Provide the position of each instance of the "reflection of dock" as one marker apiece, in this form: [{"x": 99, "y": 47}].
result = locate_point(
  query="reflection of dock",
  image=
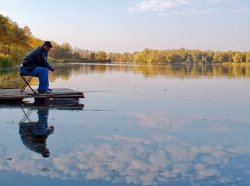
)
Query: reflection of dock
[
  {"x": 57, "y": 95},
  {"x": 56, "y": 106}
]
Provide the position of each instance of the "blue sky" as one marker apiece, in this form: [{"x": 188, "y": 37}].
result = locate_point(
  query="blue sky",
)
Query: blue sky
[{"x": 132, "y": 25}]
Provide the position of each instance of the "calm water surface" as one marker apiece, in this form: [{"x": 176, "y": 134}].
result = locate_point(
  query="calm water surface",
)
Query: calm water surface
[{"x": 140, "y": 125}]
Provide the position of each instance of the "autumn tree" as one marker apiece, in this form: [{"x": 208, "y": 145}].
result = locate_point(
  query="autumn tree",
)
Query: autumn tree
[{"x": 101, "y": 55}]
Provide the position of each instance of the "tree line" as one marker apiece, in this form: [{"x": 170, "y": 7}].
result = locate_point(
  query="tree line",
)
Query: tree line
[
  {"x": 65, "y": 53},
  {"x": 16, "y": 41},
  {"x": 150, "y": 56}
]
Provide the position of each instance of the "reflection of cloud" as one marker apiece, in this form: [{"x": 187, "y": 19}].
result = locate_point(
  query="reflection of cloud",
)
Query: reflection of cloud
[
  {"x": 203, "y": 171},
  {"x": 157, "y": 137},
  {"x": 218, "y": 128},
  {"x": 156, "y": 158},
  {"x": 62, "y": 165},
  {"x": 240, "y": 150},
  {"x": 127, "y": 139},
  {"x": 159, "y": 120},
  {"x": 133, "y": 163}
]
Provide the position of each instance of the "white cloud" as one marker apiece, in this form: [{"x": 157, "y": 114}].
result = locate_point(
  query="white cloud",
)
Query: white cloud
[
  {"x": 191, "y": 11},
  {"x": 215, "y": 1},
  {"x": 158, "y": 5},
  {"x": 175, "y": 7},
  {"x": 242, "y": 11},
  {"x": 9, "y": 1},
  {"x": 3, "y": 12}
]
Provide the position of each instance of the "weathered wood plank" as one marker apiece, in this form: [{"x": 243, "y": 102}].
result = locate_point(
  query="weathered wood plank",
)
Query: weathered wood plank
[
  {"x": 60, "y": 93},
  {"x": 14, "y": 94}
]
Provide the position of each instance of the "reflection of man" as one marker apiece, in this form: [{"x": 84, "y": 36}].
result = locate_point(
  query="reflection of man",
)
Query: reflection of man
[{"x": 34, "y": 134}]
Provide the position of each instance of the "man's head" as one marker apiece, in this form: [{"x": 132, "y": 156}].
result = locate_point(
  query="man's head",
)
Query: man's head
[
  {"x": 45, "y": 153},
  {"x": 51, "y": 129},
  {"x": 47, "y": 45}
]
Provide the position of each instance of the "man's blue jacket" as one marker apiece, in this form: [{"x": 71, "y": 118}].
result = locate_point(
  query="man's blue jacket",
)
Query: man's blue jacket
[{"x": 35, "y": 58}]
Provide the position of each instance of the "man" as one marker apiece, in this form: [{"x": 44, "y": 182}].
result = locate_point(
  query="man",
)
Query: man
[{"x": 35, "y": 64}]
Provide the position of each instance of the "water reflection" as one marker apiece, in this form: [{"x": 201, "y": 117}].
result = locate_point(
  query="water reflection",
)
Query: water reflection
[
  {"x": 196, "y": 134},
  {"x": 165, "y": 154},
  {"x": 232, "y": 70},
  {"x": 9, "y": 78},
  {"x": 35, "y": 133},
  {"x": 159, "y": 158}
]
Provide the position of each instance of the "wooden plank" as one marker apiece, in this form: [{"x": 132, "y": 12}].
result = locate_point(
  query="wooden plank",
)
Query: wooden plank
[
  {"x": 6, "y": 94},
  {"x": 14, "y": 94}
]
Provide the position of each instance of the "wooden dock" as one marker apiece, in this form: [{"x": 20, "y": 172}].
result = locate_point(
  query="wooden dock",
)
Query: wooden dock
[{"x": 57, "y": 94}]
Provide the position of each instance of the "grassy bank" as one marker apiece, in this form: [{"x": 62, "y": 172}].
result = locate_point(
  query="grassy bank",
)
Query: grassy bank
[{"x": 5, "y": 61}]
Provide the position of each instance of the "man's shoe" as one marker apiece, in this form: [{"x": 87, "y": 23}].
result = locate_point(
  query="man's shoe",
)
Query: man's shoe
[
  {"x": 49, "y": 89},
  {"x": 43, "y": 91}
]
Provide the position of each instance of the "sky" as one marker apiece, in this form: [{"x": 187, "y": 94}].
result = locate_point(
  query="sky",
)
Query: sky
[{"x": 133, "y": 25}]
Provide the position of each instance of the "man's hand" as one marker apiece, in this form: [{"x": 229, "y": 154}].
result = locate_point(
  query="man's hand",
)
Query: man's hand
[{"x": 52, "y": 68}]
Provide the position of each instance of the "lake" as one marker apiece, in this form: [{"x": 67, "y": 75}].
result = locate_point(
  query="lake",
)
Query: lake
[{"x": 140, "y": 125}]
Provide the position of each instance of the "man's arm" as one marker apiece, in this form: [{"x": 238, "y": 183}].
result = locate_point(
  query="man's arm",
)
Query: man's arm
[{"x": 43, "y": 60}]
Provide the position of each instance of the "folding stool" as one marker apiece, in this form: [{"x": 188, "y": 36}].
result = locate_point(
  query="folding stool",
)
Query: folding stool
[{"x": 26, "y": 83}]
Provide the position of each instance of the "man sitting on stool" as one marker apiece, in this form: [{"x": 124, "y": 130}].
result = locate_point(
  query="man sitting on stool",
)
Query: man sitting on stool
[{"x": 35, "y": 64}]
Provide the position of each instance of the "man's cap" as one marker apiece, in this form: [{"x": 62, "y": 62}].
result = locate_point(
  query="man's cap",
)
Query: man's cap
[{"x": 48, "y": 44}]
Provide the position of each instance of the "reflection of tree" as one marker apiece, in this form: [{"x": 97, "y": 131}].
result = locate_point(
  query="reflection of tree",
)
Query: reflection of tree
[
  {"x": 34, "y": 134},
  {"x": 8, "y": 79},
  {"x": 230, "y": 70},
  {"x": 184, "y": 70},
  {"x": 194, "y": 70}
]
